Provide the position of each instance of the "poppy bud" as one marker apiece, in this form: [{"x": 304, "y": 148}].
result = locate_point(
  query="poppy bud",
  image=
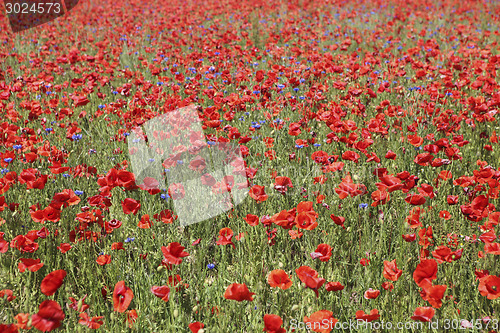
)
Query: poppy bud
[
  {"x": 176, "y": 313},
  {"x": 295, "y": 307}
]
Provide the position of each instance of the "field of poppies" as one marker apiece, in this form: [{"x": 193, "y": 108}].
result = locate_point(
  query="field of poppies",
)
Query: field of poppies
[{"x": 370, "y": 138}]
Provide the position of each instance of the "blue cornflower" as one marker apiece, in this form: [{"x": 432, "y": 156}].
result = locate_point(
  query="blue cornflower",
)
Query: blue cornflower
[
  {"x": 211, "y": 266},
  {"x": 76, "y": 137},
  {"x": 129, "y": 239},
  {"x": 8, "y": 159},
  {"x": 17, "y": 146},
  {"x": 211, "y": 143},
  {"x": 78, "y": 192},
  {"x": 363, "y": 205}
]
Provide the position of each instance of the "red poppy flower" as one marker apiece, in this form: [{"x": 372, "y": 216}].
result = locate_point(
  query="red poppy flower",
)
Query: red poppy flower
[
  {"x": 122, "y": 297},
  {"x": 338, "y": 220},
  {"x": 415, "y": 199},
  {"x": 173, "y": 253},
  {"x": 387, "y": 286},
  {"x": 391, "y": 271},
  {"x": 390, "y": 155},
  {"x": 257, "y": 192},
  {"x": 409, "y": 237},
  {"x": 64, "y": 247},
  {"x": 238, "y": 292},
  {"x": 145, "y": 222},
  {"x": 32, "y": 265},
  {"x": 334, "y": 286},
  {"x": 196, "y": 326},
  {"x": 452, "y": 199},
  {"x": 424, "y": 314},
  {"x": 492, "y": 248},
  {"x": 426, "y": 269},
  {"x": 9, "y": 293},
  {"x": 373, "y": 315},
  {"x": 48, "y": 317},
  {"x": 92, "y": 323},
  {"x": 423, "y": 159},
  {"x": 78, "y": 305},
  {"x": 279, "y": 278},
  {"x": 371, "y": 293},
  {"x": 52, "y": 282},
  {"x": 272, "y": 324},
  {"x": 131, "y": 206},
  {"x": 379, "y": 197},
  {"x": 176, "y": 191},
  {"x": 364, "y": 261},
  {"x": 103, "y": 259},
  {"x": 125, "y": 179},
  {"x": 162, "y": 292},
  {"x": 4, "y": 245},
  {"x": 117, "y": 246},
  {"x": 22, "y": 321},
  {"x": 131, "y": 317},
  {"x": 432, "y": 293},
  {"x": 321, "y": 321},
  {"x": 324, "y": 251},
  {"x": 281, "y": 184},
  {"x": 165, "y": 216},
  {"x": 252, "y": 220},
  {"x": 24, "y": 244},
  {"x": 310, "y": 278},
  {"x": 489, "y": 286},
  {"x": 351, "y": 156}
]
